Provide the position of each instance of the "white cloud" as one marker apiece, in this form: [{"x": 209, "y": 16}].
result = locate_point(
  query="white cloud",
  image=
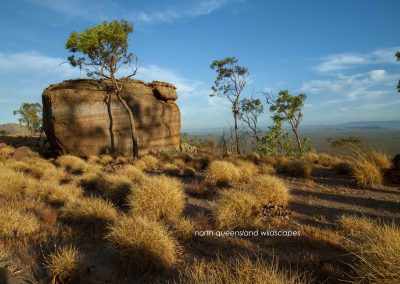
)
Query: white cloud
[
  {"x": 352, "y": 86},
  {"x": 106, "y": 10},
  {"x": 337, "y": 62}
]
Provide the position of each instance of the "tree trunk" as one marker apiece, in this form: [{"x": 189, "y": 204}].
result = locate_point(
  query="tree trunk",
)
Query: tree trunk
[
  {"x": 110, "y": 127},
  {"x": 236, "y": 133},
  {"x": 298, "y": 141},
  {"x": 132, "y": 123}
]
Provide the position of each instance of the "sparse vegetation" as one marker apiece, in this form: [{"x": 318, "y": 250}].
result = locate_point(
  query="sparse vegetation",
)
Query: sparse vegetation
[{"x": 268, "y": 189}]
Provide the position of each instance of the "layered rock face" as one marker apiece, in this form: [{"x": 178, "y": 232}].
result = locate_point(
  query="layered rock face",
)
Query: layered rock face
[{"x": 79, "y": 114}]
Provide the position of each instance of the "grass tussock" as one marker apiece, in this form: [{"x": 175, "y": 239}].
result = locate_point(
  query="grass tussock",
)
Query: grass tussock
[
  {"x": 378, "y": 256},
  {"x": 266, "y": 169},
  {"x": 72, "y": 164},
  {"x": 171, "y": 170},
  {"x": 63, "y": 264},
  {"x": 355, "y": 226},
  {"x": 143, "y": 244},
  {"x": 296, "y": 168},
  {"x": 95, "y": 212},
  {"x": 13, "y": 183},
  {"x": 236, "y": 209},
  {"x": 133, "y": 173},
  {"x": 14, "y": 224},
  {"x": 364, "y": 170},
  {"x": 158, "y": 198},
  {"x": 239, "y": 270},
  {"x": 148, "y": 163},
  {"x": 380, "y": 159},
  {"x": 247, "y": 170},
  {"x": 183, "y": 228},
  {"x": 269, "y": 189},
  {"x": 6, "y": 152},
  {"x": 222, "y": 173}
]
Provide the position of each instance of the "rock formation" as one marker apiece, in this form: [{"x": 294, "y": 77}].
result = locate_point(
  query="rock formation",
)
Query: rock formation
[{"x": 78, "y": 116}]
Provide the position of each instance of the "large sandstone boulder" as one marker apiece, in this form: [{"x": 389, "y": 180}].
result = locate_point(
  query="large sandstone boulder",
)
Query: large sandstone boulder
[{"x": 77, "y": 120}]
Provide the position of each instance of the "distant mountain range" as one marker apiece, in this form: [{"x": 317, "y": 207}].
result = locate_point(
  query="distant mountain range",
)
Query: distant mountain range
[
  {"x": 386, "y": 124},
  {"x": 13, "y": 128}
]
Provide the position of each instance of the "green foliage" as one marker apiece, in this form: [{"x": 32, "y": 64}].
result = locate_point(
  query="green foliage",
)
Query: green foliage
[
  {"x": 229, "y": 84},
  {"x": 276, "y": 141},
  {"x": 340, "y": 142},
  {"x": 286, "y": 107},
  {"x": 102, "y": 48},
  {"x": 30, "y": 116},
  {"x": 249, "y": 112},
  {"x": 3, "y": 132}
]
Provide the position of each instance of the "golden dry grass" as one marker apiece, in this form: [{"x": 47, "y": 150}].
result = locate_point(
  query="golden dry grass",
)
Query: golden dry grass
[
  {"x": 247, "y": 170},
  {"x": 355, "y": 226},
  {"x": 183, "y": 228},
  {"x": 171, "y": 170},
  {"x": 6, "y": 152},
  {"x": 64, "y": 264},
  {"x": 38, "y": 168},
  {"x": 266, "y": 169},
  {"x": 148, "y": 163},
  {"x": 380, "y": 159},
  {"x": 269, "y": 189},
  {"x": 158, "y": 197},
  {"x": 142, "y": 243},
  {"x": 12, "y": 183},
  {"x": 240, "y": 269},
  {"x": 14, "y": 224},
  {"x": 296, "y": 168},
  {"x": 236, "y": 209},
  {"x": 72, "y": 164},
  {"x": 133, "y": 173},
  {"x": 222, "y": 173},
  {"x": 378, "y": 256},
  {"x": 53, "y": 192},
  {"x": 363, "y": 168},
  {"x": 90, "y": 211}
]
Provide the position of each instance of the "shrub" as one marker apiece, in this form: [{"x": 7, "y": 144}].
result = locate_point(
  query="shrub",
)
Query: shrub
[
  {"x": 95, "y": 212},
  {"x": 158, "y": 198},
  {"x": 148, "y": 163},
  {"x": 297, "y": 168},
  {"x": 380, "y": 159},
  {"x": 64, "y": 264},
  {"x": 72, "y": 164},
  {"x": 142, "y": 243},
  {"x": 235, "y": 209},
  {"x": 269, "y": 189},
  {"x": 378, "y": 256},
  {"x": 239, "y": 270},
  {"x": 222, "y": 173},
  {"x": 356, "y": 226},
  {"x": 16, "y": 224}
]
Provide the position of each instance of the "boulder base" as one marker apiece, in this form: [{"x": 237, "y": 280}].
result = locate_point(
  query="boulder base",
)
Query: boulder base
[{"x": 83, "y": 117}]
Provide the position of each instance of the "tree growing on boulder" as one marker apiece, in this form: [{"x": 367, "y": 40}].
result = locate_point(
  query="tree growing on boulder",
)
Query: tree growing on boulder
[
  {"x": 102, "y": 50},
  {"x": 30, "y": 116},
  {"x": 230, "y": 83}
]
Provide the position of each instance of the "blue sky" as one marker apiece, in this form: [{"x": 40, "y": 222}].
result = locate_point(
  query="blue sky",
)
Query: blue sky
[{"x": 340, "y": 53}]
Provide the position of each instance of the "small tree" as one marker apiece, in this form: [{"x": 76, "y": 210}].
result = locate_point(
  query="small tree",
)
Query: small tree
[
  {"x": 249, "y": 112},
  {"x": 30, "y": 116},
  {"x": 103, "y": 50},
  {"x": 229, "y": 84},
  {"x": 276, "y": 141},
  {"x": 288, "y": 108},
  {"x": 398, "y": 59}
]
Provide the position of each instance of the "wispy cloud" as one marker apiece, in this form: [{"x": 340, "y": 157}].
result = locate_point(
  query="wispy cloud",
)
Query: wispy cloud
[
  {"x": 342, "y": 61},
  {"x": 106, "y": 10},
  {"x": 352, "y": 86}
]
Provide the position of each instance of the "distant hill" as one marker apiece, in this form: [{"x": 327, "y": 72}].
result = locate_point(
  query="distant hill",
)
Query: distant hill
[
  {"x": 13, "y": 128},
  {"x": 366, "y": 125}
]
